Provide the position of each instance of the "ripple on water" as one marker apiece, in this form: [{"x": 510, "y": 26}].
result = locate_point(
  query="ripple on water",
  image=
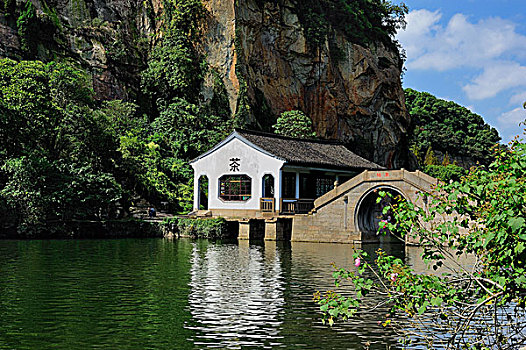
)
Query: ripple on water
[{"x": 164, "y": 294}]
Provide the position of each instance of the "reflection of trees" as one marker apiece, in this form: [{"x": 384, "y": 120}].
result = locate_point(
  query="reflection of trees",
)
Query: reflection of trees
[
  {"x": 307, "y": 268},
  {"x": 111, "y": 294}
]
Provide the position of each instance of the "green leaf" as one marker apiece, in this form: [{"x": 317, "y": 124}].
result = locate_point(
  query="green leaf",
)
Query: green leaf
[
  {"x": 516, "y": 223},
  {"x": 521, "y": 280},
  {"x": 437, "y": 301}
]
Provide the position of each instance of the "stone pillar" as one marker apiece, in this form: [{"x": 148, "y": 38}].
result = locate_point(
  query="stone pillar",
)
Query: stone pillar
[
  {"x": 271, "y": 230},
  {"x": 275, "y": 229},
  {"x": 278, "y": 190},
  {"x": 244, "y": 230},
  {"x": 196, "y": 191}
]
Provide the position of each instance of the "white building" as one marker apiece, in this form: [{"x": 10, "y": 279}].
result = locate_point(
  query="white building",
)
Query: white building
[{"x": 251, "y": 173}]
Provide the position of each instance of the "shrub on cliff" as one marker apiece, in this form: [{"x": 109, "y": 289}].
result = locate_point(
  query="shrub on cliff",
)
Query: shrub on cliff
[{"x": 294, "y": 124}]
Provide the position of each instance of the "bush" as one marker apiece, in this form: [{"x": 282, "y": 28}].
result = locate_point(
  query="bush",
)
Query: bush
[
  {"x": 294, "y": 124},
  {"x": 446, "y": 172},
  {"x": 216, "y": 228},
  {"x": 475, "y": 306}
]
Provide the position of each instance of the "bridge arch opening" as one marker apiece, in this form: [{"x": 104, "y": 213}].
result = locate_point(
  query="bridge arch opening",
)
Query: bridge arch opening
[{"x": 369, "y": 213}]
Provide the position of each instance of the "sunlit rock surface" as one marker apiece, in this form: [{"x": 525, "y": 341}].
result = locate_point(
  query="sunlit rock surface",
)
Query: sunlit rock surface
[
  {"x": 354, "y": 95},
  {"x": 257, "y": 49}
]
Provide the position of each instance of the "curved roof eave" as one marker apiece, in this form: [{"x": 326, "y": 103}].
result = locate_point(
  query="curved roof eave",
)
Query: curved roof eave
[{"x": 236, "y": 135}]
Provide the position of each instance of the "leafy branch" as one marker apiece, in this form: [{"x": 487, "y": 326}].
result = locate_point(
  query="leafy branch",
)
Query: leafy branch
[{"x": 482, "y": 218}]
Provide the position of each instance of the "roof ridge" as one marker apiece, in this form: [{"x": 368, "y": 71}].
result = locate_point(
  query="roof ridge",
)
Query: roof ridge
[{"x": 268, "y": 134}]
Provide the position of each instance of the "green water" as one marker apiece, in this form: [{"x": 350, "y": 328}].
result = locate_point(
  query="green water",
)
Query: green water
[{"x": 173, "y": 294}]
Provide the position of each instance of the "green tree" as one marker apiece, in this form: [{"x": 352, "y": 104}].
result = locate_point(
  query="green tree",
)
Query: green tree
[
  {"x": 445, "y": 172},
  {"x": 175, "y": 67},
  {"x": 448, "y": 127},
  {"x": 446, "y": 161},
  {"x": 465, "y": 307},
  {"x": 418, "y": 154},
  {"x": 294, "y": 124},
  {"x": 361, "y": 21},
  {"x": 51, "y": 166},
  {"x": 182, "y": 126},
  {"x": 158, "y": 161},
  {"x": 430, "y": 158}
]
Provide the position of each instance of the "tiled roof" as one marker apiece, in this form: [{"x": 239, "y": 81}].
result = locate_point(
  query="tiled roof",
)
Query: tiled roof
[{"x": 308, "y": 151}]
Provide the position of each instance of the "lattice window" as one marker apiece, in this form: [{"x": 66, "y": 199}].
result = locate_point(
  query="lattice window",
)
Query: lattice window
[
  {"x": 324, "y": 185},
  {"x": 235, "y": 187},
  {"x": 289, "y": 185}
]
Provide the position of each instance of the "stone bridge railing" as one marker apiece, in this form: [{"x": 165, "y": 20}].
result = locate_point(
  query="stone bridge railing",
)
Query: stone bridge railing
[
  {"x": 417, "y": 180},
  {"x": 336, "y": 215}
]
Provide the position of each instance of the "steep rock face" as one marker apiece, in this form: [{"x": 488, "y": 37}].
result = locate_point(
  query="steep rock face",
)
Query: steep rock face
[
  {"x": 257, "y": 49},
  {"x": 219, "y": 48},
  {"x": 352, "y": 93},
  {"x": 109, "y": 38}
]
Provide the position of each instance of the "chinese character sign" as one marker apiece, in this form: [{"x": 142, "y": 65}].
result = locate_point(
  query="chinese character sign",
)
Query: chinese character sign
[{"x": 234, "y": 164}]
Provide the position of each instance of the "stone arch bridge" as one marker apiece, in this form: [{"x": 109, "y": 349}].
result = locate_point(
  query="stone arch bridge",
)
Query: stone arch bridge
[{"x": 348, "y": 213}]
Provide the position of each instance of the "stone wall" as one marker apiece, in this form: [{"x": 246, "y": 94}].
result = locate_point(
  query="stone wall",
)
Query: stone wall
[{"x": 326, "y": 225}]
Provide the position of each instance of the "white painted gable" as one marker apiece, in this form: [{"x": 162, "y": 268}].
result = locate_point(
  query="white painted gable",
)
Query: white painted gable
[{"x": 253, "y": 162}]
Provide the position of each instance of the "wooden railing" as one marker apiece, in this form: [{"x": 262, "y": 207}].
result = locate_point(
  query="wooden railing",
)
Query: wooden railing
[
  {"x": 287, "y": 206},
  {"x": 267, "y": 204},
  {"x": 296, "y": 205},
  {"x": 303, "y": 206}
]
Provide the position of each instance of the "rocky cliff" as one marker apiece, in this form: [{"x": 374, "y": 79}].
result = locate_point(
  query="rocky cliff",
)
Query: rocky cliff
[
  {"x": 108, "y": 38},
  {"x": 351, "y": 92},
  {"x": 258, "y": 49}
]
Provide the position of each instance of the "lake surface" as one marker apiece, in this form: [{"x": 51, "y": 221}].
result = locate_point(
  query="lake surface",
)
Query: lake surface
[{"x": 175, "y": 294}]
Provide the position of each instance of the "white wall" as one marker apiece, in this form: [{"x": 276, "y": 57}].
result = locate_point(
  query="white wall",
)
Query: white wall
[{"x": 252, "y": 162}]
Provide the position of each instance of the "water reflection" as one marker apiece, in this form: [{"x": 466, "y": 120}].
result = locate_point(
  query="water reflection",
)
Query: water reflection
[
  {"x": 180, "y": 294},
  {"x": 451, "y": 265},
  {"x": 105, "y": 294},
  {"x": 260, "y": 296},
  {"x": 236, "y": 297}
]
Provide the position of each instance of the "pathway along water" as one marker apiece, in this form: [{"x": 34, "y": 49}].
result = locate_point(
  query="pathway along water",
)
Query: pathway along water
[{"x": 174, "y": 294}]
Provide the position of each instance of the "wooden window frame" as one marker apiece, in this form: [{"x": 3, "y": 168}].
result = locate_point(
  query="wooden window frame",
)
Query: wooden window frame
[{"x": 235, "y": 188}]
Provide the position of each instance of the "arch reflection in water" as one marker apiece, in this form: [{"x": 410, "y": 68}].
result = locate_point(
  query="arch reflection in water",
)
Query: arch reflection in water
[{"x": 236, "y": 296}]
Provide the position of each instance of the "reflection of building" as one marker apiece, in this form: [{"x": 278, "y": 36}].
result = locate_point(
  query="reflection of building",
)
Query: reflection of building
[
  {"x": 281, "y": 188},
  {"x": 259, "y": 296},
  {"x": 251, "y": 173},
  {"x": 236, "y": 296}
]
